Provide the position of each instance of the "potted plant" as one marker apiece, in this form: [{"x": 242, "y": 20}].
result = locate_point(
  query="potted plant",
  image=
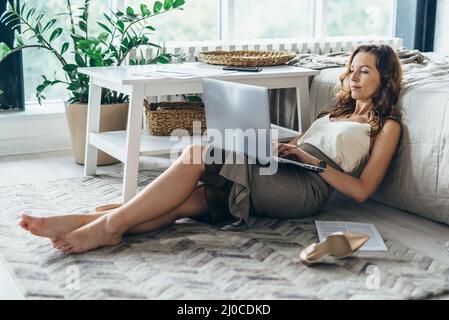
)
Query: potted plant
[{"x": 121, "y": 33}]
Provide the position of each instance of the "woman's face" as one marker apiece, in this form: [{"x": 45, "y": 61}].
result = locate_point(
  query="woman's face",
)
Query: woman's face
[{"x": 364, "y": 79}]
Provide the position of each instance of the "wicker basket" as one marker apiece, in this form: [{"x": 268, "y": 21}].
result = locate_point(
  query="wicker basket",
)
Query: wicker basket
[
  {"x": 246, "y": 58},
  {"x": 164, "y": 117}
]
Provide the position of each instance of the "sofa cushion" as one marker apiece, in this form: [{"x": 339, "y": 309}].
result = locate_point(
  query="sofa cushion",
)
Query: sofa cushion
[{"x": 418, "y": 178}]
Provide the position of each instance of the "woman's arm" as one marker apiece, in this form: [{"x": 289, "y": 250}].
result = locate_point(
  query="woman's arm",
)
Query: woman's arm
[
  {"x": 295, "y": 140},
  {"x": 361, "y": 189}
]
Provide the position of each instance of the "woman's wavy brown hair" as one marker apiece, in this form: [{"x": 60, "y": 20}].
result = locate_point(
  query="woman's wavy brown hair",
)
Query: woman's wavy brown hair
[{"x": 384, "y": 100}]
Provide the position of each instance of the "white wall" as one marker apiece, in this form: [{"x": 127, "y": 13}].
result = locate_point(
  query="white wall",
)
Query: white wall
[{"x": 442, "y": 28}]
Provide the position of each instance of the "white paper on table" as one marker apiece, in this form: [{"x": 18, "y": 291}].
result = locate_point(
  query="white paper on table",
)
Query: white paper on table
[
  {"x": 182, "y": 73},
  {"x": 375, "y": 242}
]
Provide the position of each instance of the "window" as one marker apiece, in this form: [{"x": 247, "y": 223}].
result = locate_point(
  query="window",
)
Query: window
[
  {"x": 198, "y": 21},
  {"x": 255, "y": 19},
  {"x": 38, "y": 62},
  {"x": 357, "y": 17}
]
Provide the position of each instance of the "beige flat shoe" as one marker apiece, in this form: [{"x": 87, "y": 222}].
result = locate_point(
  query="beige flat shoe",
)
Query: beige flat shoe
[
  {"x": 338, "y": 245},
  {"x": 107, "y": 207}
]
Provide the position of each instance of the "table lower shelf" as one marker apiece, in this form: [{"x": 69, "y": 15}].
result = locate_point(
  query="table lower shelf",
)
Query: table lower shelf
[{"x": 114, "y": 142}]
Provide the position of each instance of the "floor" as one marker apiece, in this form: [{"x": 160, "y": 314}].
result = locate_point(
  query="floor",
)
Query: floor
[{"x": 420, "y": 234}]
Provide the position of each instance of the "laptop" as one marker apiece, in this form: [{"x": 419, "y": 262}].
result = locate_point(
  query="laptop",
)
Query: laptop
[{"x": 234, "y": 108}]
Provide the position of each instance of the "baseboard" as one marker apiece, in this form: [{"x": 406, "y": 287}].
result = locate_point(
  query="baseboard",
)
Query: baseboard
[{"x": 24, "y": 133}]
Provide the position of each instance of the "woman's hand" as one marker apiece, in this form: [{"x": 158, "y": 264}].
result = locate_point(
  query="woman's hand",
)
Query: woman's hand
[{"x": 293, "y": 152}]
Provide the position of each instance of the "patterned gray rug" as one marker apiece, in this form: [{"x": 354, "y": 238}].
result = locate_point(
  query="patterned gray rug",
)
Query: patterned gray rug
[{"x": 190, "y": 260}]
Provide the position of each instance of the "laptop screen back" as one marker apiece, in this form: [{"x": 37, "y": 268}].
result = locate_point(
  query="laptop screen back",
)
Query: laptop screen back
[{"x": 240, "y": 113}]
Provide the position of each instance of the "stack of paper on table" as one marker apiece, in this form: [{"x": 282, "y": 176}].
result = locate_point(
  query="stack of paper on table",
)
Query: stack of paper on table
[{"x": 181, "y": 73}]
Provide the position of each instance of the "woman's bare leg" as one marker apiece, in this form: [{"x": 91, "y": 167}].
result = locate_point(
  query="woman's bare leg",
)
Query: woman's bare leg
[
  {"x": 176, "y": 183},
  {"x": 195, "y": 205},
  {"x": 163, "y": 195},
  {"x": 55, "y": 227}
]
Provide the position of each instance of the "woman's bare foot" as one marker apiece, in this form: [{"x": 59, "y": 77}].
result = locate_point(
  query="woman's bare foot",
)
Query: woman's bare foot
[
  {"x": 57, "y": 226},
  {"x": 90, "y": 236}
]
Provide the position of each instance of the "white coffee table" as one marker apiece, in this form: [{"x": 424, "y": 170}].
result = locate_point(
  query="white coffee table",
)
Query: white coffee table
[{"x": 140, "y": 81}]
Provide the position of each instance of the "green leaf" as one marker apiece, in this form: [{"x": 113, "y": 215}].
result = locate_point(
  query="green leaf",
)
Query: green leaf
[
  {"x": 41, "y": 87},
  {"x": 84, "y": 16},
  {"x": 9, "y": 6},
  {"x": 178, "y": 3},
  {"x": 30, "y": 13},
  {"x": 150, "y": 28},
  {"x": 4, "y": 16},
  {"x": 49, "y": 25},
  {"x": 73, "y": 86},
  {"x": 157, "y": 6},
  {"x": 168, "y": 4},
  {"x": 76, "y": 37},
  {"x": 83, "y": 26},
  {"x": 70, "y": 67},
  {"x": 84, "y": 43},
  {"x": 64, "y": 47},
  {"x": 79, "y": 60},
  {"x": 121, "y": 26},
  {"x": 4, "y": 50},
  {"x": 104, "y": 27},
  {"x": 193, "y": 98},
  {"x": 39, "y": 18},
  {"x": 22, "y": 9},
  {"x": 102, "y": 37},
  {"x": 144, "y": 10},
  {"x": 95, "y": 62},
  {"x": 154, "y": 45},
  {"x": 107, "y": 18},
  {"x": 18, "y": 40},
  {"x": 56, "y": 33},
  {"x": 11, "y": 20},
  {"x": 163, "y": 59},
  {"x": 129, "y": 11}
]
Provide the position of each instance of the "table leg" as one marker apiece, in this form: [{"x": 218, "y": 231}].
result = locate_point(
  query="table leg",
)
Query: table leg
[
  {"x": 133, "y": 136},
  {"x": 93, "y": 125},
  {"x": 303, "y": 104}
]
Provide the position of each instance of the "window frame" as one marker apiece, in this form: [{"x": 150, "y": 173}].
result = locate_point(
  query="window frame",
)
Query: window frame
[{"x": 416, "y": 26}]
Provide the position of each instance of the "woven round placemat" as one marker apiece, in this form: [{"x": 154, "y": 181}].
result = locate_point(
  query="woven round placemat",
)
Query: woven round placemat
[{"x": 246, "y": 58}]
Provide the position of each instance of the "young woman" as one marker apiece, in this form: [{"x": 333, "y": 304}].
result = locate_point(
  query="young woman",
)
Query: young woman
[{"x": 356, "y": 138}]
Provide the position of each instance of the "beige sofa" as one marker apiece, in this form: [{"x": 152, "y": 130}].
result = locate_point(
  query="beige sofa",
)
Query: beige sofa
[{"x": 418, "y": 178}]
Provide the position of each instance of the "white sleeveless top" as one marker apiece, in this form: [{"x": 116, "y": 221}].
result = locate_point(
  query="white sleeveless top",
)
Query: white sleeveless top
[{"x": 345, "y": 142}]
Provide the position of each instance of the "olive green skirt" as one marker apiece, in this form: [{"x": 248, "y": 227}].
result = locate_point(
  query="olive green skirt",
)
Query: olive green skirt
[{"x": 236, "y": 192}]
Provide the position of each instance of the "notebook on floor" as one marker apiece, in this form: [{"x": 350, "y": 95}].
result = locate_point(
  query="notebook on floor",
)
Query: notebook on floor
[{"x": 375, "y": 242}]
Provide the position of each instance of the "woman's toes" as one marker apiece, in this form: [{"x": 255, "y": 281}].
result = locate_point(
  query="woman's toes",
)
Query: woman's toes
[
  {"x": 24, "y": 225},
  {"x": 33, "y": 230},
  {"x": 60, "y": 244},
  {"x": 54, "y": 244},
  {"x": 32, "y": 224},
  {"x": 69, "y": 250},
  {"x": 28, "y": 219}
]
